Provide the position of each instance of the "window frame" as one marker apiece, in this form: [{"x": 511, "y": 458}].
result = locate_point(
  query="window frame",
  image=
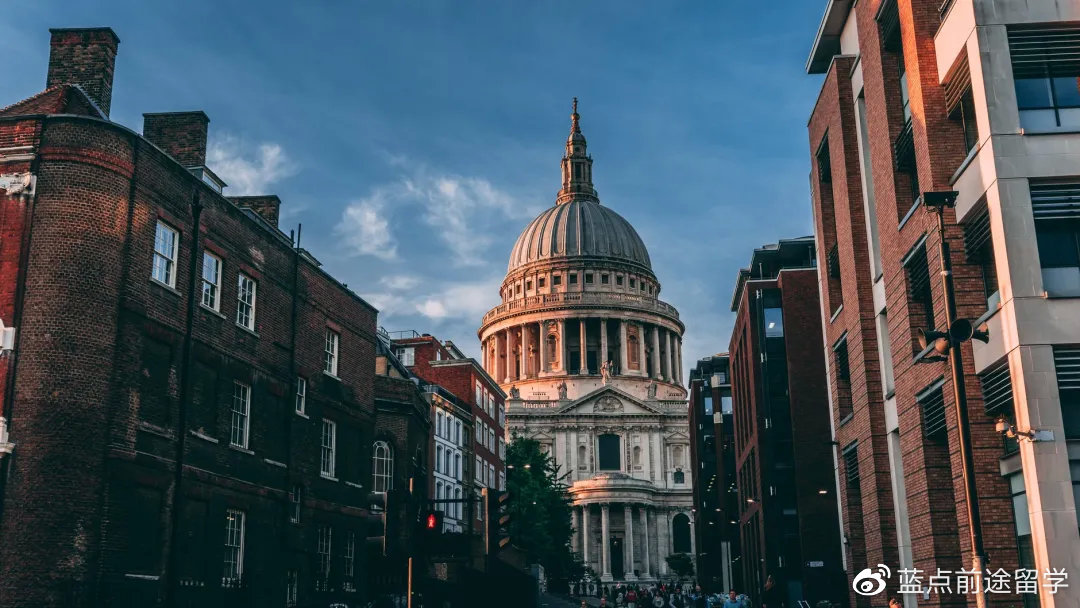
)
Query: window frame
[
  {"x": 211, "y": 289},
  {"x": 233, "y": 556},
  {"x": 246, "y": 318},
  {"x": 328, "y": 451},
  {"x": 300, "y": 403},
  {"x": 240, "y": 420},
  {"x": 331, "y": 351},
  {"x": 169, "y": 266},
  {"x": 382, "y": 453}
]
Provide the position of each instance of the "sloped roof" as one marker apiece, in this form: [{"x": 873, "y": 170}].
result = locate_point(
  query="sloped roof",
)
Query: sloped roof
[{"x": 57, "y": 99}]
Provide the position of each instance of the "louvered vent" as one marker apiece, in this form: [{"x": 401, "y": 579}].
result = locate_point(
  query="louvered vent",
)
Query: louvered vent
[
  {"x": 851, "y": 465},
  {"x": 888, "y": 18},
  {"x": 1067, "y": 364},
  {"x": 832, "y": 262},
  {"x": 1055, "y": 201},
  {"x": 977, "y": 236},
  {"x": 932, "y": 403},
  {"x": 1039, "y": 50},
  {"x": 957, "y": 82},
  {"x": 997, "y": 390}
]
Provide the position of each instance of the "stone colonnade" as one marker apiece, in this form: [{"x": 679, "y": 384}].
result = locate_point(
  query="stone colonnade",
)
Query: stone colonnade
[
  {"x": 634, "y": 524},
  {"x": 535, "y": 348}
]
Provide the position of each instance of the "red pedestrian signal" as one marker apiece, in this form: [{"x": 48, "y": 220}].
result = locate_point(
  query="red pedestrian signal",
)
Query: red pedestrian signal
[{"x": 432, "y": 521}]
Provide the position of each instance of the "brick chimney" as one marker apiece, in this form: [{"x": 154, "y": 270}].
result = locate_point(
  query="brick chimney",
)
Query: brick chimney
[
  {"x": 268, "y": 206},
  {"x": 85, "y": 57},
  {"x": 181, "y": 135}
]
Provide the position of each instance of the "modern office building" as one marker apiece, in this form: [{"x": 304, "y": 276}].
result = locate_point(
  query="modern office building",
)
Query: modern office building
[
  {"x": 788, "y": 525},
  {"x": 712, "y": 458},
  {"x": 981, "y": 98}
]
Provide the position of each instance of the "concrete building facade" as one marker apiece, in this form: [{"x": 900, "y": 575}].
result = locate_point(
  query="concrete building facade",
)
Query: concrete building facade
[
  {"x": 591, "y": 359},
  {"x": 979, "y": 97}
]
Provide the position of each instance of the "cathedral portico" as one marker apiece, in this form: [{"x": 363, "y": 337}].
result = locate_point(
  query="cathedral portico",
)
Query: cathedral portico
[{"x": 591, "y": 359}]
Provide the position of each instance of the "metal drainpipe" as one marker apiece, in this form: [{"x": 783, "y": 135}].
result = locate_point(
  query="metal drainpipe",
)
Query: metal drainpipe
[{"x": 185, "y": 395}]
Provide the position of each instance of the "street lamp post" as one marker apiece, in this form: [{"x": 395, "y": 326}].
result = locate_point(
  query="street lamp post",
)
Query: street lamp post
[{"x": 936, "y": 202}]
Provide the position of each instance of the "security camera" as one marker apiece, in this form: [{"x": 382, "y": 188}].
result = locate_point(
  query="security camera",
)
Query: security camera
[{"x": 1002, "y": 425}]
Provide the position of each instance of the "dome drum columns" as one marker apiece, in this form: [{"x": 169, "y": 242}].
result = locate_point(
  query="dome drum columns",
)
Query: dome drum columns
[
  {"x": 632, "y": 536},
  {"x": 581, "y": 346}
]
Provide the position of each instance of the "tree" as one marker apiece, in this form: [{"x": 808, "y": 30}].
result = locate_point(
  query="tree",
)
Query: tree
[
  {"x": 539, "y": 507},
  {"x": 681, "y": 565}
]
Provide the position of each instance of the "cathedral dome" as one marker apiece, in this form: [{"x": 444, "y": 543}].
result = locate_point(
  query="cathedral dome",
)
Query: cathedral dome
[{"x": 579, "y": 228}]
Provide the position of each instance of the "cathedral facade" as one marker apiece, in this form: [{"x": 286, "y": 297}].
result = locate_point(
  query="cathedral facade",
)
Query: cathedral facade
[{"x": 592, "y": 361}]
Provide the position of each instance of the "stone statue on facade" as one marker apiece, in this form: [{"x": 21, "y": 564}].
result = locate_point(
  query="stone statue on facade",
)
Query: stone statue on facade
[
  {"x": 562, "y": 391},
  {"x": 605, "y": 372},
  {"x": 515, "y": 393},
  {"x": 652, "y": 390}
]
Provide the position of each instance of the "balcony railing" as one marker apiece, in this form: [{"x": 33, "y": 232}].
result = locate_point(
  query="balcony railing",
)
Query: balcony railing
[{"x": 590, "y": 298}]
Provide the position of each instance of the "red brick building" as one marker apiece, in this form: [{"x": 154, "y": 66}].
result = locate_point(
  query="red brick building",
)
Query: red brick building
[
  {"x": 189, "y": 395},
  {"x": 974, "y": 97},
  {"x": 788, "y": 524},
  {"x": 444, "y": 365}
]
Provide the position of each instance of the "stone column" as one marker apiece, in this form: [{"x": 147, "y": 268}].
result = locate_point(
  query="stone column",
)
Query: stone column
[
  {"x": 660, "y": 524},
  {"x": 585, "y": 534},
  {"x": 628, "y": 523},
  {"x": 584, "y": 349},
  {"x": 693, "y": 542},
  {"x": 622, "y": 347},
  {"x": 641, "y": 349},
  {"x": 668, "y": 372},
  {"x": 541, "y": 342},
  {"x": 605, "y": 544},
  {"x": 483, "y": 356},
  {"x": 678, "y": 358},
  {"x": 646, "y": 567},
  {"x": 502, "y": 348},
  {"x": 603, "y": 342},
  {"x": 575, "y": 522},
  {"x": 655, "y": 337},
  {"x": 563, "y": 347}
]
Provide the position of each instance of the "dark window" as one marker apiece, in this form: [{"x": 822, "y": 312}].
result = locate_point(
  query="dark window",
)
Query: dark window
[
  {"x": 708, "y": 405},
  {"x": 556, "y": 279},
  {"x": 932, "y": 404},
  {"x": 588, "y": 277},
  {"x": 603, "y": 279},
  {"x": 540, "y": 282},
  {"x": 1057, "y": 229},
  {"x": 920, "y": 295},
  {"x": 979, "y": 248},
  {"x": 608, "y": 449},
  {"x": 679, "y": 476},
  {"x": 618, "y": 280},
  {"x": 680, "y": 526},
  {"x": 851, "y": 465},
  {"x": 528, "y": 285},
  {"x": 573, "y": 279},
  {"x": 843, "y": 378},
  {"x": 633, "y": 283},
  {"x": 964, "y": 114},
  {"x": 1067, "y": 366},
  {"x": 1046, "y": 75}
]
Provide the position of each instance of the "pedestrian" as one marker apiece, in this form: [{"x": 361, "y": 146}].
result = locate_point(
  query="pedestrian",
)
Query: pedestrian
[
  {"x": 895, "y": 603},
  {"x": 631, "y": 598},
  {"x": 603, "y": 602},
  {"x": 733, "y": 601},
  {"x": 771, "y": 596},
  {"x": 658, "y": 601}
]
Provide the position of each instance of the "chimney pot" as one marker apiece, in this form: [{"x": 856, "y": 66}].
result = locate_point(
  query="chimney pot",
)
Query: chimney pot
[
  {"x": 181, "y": 135},
  {"x": 85, "y": 57},
  {"x": 268, "y": 206}
]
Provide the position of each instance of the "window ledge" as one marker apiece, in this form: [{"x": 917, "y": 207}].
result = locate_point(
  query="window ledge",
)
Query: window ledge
[
  {"x": 910, "y": 212},
  {"x": 241, "y": 449},
  {"x": 329, "y": 375},
  {"x": 1060, "y": 296},
  {"x": 890, "y": 394},
  {"x": 275, "y": 463},
  {"x": 168, "y": 288},
  {"x": 846, "y": 419},
  {"x": 216, "y": 313},
  {"x": 203, "y": 436},
  {"x": 352, "y": 484},
  {"x": 836, "y": 313},
  {"x": 303, "y": 415},
  {"x": 1057, "y": 131},
  {"x": 154, "y": 429},
  {"x": 247, "y": 329},
  {"x": 328, "y": 477},
  {"x": 964, "y": 165}
]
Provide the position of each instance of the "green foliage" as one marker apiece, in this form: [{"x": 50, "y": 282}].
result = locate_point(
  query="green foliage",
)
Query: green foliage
[
  {"x": 539, "y": 507},
  {"x": 681, "y": 565}
]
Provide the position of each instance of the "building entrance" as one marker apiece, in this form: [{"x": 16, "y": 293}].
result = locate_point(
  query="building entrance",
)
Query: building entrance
[{"x": 617, "y": 569}]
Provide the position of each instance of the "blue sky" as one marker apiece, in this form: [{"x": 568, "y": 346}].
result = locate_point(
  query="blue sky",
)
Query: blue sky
[{"x": 414, "y": 140}]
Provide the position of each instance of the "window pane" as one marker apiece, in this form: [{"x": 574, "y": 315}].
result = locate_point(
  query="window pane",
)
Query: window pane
[
  {"x": 1038, "y": 120},
  {"x": 608, "y": 448},
  {"x": 1069, "y": 117},
  {"x": 1032, "y": 93},
  {"x": 774, "y": 323},
  {"x": 1061, "y": 281},
  {"x": 1056, "y": 247},
  {"x": 708, "y": 406},
  {"x": 1067, "y": 91}
]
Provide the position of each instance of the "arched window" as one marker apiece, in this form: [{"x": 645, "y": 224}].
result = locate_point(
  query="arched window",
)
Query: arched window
[
  {"x": 438, "y": 459},
  {"x": 582, "y": 458},
  {"x": 679, "y": 476},
  {"x": 608, "y": 450},
  {"x": 382, "y": 459},
  {"x": 637, "y": 457},
  {"x": 680, "y": 527},
  {"x": 457, "y": 466}
]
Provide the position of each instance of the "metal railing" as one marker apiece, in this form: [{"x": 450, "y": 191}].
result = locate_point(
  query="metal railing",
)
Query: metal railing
[{"x": 596, "y": 298}]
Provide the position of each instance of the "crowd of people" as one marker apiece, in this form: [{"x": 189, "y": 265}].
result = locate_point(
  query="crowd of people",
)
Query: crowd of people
[{"x": 667, "y": 595}]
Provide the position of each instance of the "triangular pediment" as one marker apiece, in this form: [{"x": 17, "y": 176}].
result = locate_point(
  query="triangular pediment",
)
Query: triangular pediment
[{"x": 609, "y": 401}]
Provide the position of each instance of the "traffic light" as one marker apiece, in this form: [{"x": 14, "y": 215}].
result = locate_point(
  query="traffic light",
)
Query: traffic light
[
  {"x": 497, "y": 523},
  {"x": 378, "y": 522},
  {"x": 433, "y": 522}
]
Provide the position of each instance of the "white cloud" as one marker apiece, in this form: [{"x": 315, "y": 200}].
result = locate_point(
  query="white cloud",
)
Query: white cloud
[
  {"x": 246, "y": 170},
  {"x": 365, "y": 229},
  {"x": 400, "y": 282},
  {"x": 460, "y": 300}
]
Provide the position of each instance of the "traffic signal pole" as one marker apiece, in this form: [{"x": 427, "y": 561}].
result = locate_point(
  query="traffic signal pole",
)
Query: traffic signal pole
[
  {"x": 963, "y": 427},
  {"x": 408, "y": 590}
]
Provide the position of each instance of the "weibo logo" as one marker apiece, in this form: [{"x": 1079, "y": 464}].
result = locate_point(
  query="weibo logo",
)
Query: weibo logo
[{"x": 871, "y": 581}]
